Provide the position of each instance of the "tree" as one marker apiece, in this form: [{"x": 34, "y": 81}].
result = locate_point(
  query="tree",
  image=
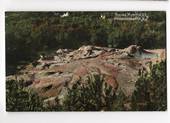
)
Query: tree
[
  {"x": 95, "y": 95},
  {"x": 28, "y": 33},
  {"x": 20, "y": 99},
  {"x": 151, "y": 89}
]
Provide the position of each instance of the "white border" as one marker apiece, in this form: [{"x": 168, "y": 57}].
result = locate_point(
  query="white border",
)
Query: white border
[
  {"x": 78, "y": 5},
  {"x": 82, "y": 5}
]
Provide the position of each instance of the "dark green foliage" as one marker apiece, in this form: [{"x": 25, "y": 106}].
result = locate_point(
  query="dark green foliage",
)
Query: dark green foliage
[
  {"x": 95, "y": 95},
  {"x": 20, "y": 99},
  {"x": 151, "y": 89},
  {"x": 119, "y": 102},
  {"x": 29, "y": 33}
]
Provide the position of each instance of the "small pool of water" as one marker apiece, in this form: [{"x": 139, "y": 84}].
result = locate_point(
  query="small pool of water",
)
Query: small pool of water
[{"x": 146, "y": 55}]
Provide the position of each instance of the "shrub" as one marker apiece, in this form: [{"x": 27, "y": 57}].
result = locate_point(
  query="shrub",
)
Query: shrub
[
  {"x": 95, "y": 95},
  {"x": 20, "y": 99},
  {"x": 151, "y": 89}
]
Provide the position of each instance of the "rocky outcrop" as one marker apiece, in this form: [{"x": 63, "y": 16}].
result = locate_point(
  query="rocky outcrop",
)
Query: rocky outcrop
[{"x": 119, "y": 68}]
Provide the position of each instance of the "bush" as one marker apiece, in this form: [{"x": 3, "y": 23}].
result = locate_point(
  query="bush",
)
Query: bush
[
  {"x": 95, "y": 95},
  {"x": 151, "y": 89},
  {"x": 20, "y": 99}
]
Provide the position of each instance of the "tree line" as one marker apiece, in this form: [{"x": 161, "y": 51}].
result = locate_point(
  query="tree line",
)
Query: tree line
[{"x": 30, "y": 33}]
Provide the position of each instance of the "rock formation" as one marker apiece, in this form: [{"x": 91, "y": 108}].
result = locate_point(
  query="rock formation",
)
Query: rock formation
[{"x": 119, "y": 67}]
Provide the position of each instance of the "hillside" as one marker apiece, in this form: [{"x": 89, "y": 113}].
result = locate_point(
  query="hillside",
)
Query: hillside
[{"x": 52, "y": 73}]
